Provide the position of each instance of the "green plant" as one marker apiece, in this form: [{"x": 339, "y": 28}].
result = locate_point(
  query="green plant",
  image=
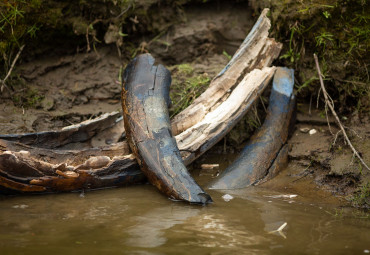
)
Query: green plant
[
  {"x": 358, "y": 34},
  {"x": 27, "y": 98},
  {"x": 306, "y": 84},
  {"x": 193, "y": 87},
  {"x": 291, "y": 53},
  {"x": 15, "y": 29},
  {"x": 312, "y": 6},
  {"x": 185, "y": 69},
  {"x": 13, "y": 26},
  {"x": 326, "y": 14},
  {"x": 186, "y": 86},
  {"x": 227, "y": 55},
  {"x": 339, "y": 32},
  {"x": 323, "y": 39},
  {"x": 362, "y": 197},
  {"x": 253, "y": 120}
]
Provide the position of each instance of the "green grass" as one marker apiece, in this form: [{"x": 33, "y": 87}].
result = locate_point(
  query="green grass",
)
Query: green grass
[
  {"x": 339, "y": 33},
  {"x": 362, "y": 197},
  {"x": 186, "y": 86},
  {"x": 16, "y": 27},
  {"x": 24, "y": 96}
]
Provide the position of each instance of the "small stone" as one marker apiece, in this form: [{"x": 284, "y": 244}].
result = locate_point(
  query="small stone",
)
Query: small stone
[
  {"x": 209, "y": 166},
  {"x": 312, "y": 131},
  {"x": 20, "y": 206},
  {"x": 24, "y": 153},
  {"x": 282, "y": 196},
  {"x": 95, "y": 162},
  {"x": 304, "y": 130},
  {"x": 83, "y": 99},
  {"x": 227, "y": 197}
]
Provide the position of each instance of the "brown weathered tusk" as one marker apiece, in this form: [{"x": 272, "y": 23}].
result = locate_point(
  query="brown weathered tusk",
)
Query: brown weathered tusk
[{"x": 145, "y": 100}]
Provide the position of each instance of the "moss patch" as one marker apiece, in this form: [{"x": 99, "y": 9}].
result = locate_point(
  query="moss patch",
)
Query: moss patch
[
  {"x": 362, "y": 197},
  {"x": 339, "y": 32}
]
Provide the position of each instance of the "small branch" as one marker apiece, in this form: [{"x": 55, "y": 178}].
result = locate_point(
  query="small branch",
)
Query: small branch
[
  {"x": 263, "y": 104},
  {"x": 330, "y": 103},
  {"x": 128, "y": 8},
  {"x": 280, "y": 230},
  {"x": 87, "y": 40},
  {"x": 11, "y": 68},
  {"x": 336, "y": 137}
]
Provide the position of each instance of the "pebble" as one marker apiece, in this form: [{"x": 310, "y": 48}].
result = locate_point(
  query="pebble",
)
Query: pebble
[
  {"x": 20, "y": 206},
  {"x": 312, "y": 131},
  {"x": 209, "y": 166},
  {"x": 24, "y": 153},
  {"x": 227, "y": 197},
  {"x": 304, "y": 130},
  {"x": 282, "y": 196}
]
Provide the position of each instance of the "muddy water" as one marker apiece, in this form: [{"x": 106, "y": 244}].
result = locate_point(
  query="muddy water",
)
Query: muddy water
[{"x": 139, "y": 220}]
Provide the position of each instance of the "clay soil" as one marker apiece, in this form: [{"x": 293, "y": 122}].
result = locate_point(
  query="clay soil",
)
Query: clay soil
[{"x": 69, "y": 88}]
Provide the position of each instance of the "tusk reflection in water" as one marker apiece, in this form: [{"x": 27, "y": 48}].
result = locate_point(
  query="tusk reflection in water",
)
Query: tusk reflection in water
[{"x": 150, "y": 229}]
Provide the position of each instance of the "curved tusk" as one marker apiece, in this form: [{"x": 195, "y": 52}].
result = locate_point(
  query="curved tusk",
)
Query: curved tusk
[{"x": 145, "y": 100}]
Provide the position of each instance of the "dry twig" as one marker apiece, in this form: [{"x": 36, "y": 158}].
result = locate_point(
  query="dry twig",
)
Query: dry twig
[
  {"x": 329, "y": 102},
  {"x": 11, "y": 69}
]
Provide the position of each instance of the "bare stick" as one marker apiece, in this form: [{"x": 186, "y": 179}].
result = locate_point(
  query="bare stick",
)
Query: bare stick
[
  {"x": 331, "y": 106},
  {"x": 87, "y": 40},
  {"x": 11, "y": 68}
]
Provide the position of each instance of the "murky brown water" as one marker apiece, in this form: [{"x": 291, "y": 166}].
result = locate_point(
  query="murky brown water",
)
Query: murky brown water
[{"x": 138, "y": 220}]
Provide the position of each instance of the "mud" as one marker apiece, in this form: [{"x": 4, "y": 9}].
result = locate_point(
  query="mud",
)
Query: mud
[
  {"x": 74, "y": 88},
  {"x": 320, "y": 168},
  {"x": 69, "y": 88},
  {"x": 324, "y": 158}
]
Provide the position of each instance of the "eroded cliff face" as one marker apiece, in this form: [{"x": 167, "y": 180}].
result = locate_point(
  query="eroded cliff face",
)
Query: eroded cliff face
[
  {"x": 181, "y": 31},
  {"x": 70, "y": 80}
]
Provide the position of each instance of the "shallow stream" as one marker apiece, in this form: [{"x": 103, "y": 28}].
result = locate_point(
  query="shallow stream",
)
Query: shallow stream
[{"x": 139, "y": 220}]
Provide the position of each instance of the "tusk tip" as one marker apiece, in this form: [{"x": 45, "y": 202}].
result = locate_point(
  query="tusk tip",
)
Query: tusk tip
[{"x": 202, "y": 198}]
